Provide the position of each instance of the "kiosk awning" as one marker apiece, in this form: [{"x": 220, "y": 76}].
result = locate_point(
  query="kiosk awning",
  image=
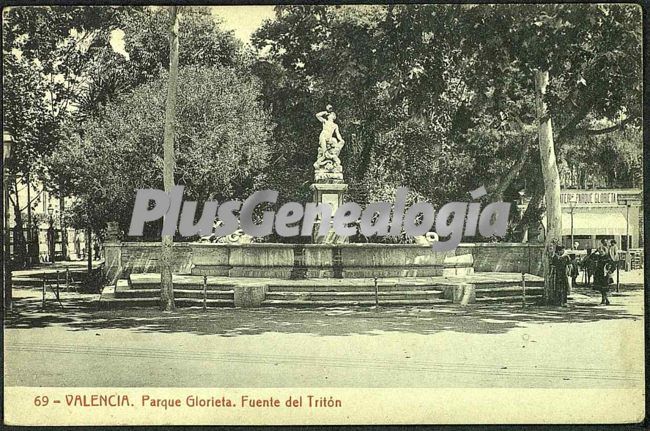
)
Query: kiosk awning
[{"x": 594, "y": 223}]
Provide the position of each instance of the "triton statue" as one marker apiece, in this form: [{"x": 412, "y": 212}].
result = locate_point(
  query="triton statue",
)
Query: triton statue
[{"x": 328, "y": 165}]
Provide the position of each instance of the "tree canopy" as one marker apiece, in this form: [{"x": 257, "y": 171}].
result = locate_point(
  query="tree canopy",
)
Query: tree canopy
[
  {"x": 437, "y": 98},
  {"x": 221, "y": 144},
  {"x": 61, "y": 66},
  {"x": 440, "y": 98}
]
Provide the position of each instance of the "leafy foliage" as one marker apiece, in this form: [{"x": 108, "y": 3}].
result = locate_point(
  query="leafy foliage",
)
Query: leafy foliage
[
  {"x": 46, "y": 57},
  {"x": 438, "y": 98},
  {"x": 221, "y": 143},
  {"x": 60, "y": 67},
  {"x": 146, "y": 44},
  {"x": 222, "y": 146},
  {"x": 441, "y": 97}
]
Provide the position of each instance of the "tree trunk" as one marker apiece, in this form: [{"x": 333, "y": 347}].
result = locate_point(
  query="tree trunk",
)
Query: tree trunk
[
  {"x": 551, "y": 178},
  {"x": 20, "y": 250},
  {"x": 64, "y": 232},
  {"x": 89, "y": 250},
  {"x": 30, "y": 251},
  {"x": 504, "y": 182},
  {"x": 529, "y": 219},
  {"x": 167, "y": 288},
  {"x": 6, "y": 257}
]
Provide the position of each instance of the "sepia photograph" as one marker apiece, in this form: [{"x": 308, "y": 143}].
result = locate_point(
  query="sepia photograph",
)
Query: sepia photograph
[{"x": 323, "y": 214}]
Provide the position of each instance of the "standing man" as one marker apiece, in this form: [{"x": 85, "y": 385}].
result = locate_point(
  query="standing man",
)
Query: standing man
[
  {"x": 77, "y": 244},
  {"x": 82, "y": 243},
  {"x": 575, "y": 266},
  {"x": 561, "y": 263},
  {"x": 51, "y": 242},
  {"x": 613, "y": 256},
  {"x": 19, "y": 247},
  {"x": 603, "y": 248},
  {"x": 96, "y": 247},
  {"x": 604, "y": 269},
  {"x": 613, "y": 251}
]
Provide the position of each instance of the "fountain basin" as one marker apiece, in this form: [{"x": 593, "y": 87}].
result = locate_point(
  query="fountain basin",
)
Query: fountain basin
[{"x": 285, "y": 261}]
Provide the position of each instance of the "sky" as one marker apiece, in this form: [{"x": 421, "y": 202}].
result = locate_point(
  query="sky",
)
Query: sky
[{"x": 243, "y": 20}]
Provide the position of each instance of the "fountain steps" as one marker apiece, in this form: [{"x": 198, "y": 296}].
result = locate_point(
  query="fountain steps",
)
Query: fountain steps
[{"x": 143, "y": 290}]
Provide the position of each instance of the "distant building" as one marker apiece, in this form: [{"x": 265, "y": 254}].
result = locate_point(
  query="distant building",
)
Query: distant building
[
  {"x": 595, "y": 207},
  {"x": 591, "y": 215},
  {"x": 41, "y": 202}
]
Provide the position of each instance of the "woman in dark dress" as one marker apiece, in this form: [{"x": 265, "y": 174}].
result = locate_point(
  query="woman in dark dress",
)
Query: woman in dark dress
[
  {"x": 561, "y": 264},
  {"x": 602, "y": 275}
]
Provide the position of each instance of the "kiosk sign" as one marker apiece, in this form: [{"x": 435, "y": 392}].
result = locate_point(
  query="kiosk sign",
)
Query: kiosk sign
[{"x": 589, "y": 198}]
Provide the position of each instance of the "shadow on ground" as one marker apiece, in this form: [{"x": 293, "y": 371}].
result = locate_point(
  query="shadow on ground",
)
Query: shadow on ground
[{"x": 79, "y": 313}]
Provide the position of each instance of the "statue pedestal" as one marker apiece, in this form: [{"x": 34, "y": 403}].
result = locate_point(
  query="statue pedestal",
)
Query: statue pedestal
[{"x": 332, "y": 194}]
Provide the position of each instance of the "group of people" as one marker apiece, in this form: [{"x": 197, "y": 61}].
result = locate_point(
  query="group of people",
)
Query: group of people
[
  {"x": 80, "y": 246},
  {"x": 601, "y": 264},
  {"x": 604, "y": 262}
]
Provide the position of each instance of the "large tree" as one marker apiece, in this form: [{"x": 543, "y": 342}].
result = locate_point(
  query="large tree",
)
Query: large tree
[
  {"x": 47, "y": 52},
  {"x": 143, "y": 52},
  {"x": 62, "y": 64},
  {"x": 166, "y": 254},
  {"x": 440, "y": 98},
  {"x": 221, "y": 144}
]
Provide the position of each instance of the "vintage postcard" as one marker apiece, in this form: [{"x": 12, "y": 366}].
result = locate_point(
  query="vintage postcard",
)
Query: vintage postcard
[{"x": 323, "y": 214}]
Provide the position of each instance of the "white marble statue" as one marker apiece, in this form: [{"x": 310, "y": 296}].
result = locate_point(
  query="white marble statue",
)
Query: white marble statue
[{"x": 328, "y": 165}]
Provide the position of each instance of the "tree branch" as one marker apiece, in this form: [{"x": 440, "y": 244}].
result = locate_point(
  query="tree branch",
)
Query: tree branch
[
  {"x": 592, "y": 132},
  {"x": 570, "y": 128},
  {"x": 511, "y": 174},
  {"x": 34, "y": 199}
]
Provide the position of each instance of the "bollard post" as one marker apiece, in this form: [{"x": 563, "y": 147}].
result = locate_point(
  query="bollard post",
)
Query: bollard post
[
  {"x": 523, "y": 289},
  {"x": 58, "y": 288},
  {"x": 67, "y": 279},
  {"x": 376, "y": 293},
  {"x": 205, "y": 292},
  {"x": 43, "y": 300},
  {"x": 618, "y": 267}
]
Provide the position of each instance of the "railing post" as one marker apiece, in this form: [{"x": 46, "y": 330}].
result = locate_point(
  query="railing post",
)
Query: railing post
[
  {"x": 523, "y": 289},
  {"x": 43, "y": 300},
  {"x": 205, "y": 292},
  {"x": 67, "y": 279},
  {"x": 618, "y": 268},
  {"x": 376, "y": 293},
  {"x": 57, "y": 292}
]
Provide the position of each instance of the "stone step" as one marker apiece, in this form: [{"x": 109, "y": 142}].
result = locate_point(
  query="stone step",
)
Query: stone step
[
  {"x": 121, "y": 303},
  {"x": 508, "y": 291},
  {"x": 457, "y": 271},
  {"x": 532, "y": 299},
  {"x": 49, "y": 273},
  {"x": 353, "y": 296},
  {"x": 178, "y": 293},
  {"x": 209, "y": 287},
  {"x": 28, "y": 281},
  {"x": 343, "y": 303},
  {"x": 152, "y": 281},
  {"x": 352, "y": 288},
  {"x": 193, "y": 302},
  {"x": 488, "y": 283},
  {"x": 184, "y": 286},
  {"x": 210, "y": 294}
]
